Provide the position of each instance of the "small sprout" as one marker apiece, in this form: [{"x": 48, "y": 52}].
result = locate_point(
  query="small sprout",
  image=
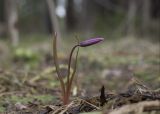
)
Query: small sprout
[{"x": 66, "y": 88}]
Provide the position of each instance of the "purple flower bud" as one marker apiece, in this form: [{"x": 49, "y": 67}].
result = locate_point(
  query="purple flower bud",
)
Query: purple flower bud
[{"x": 90, "y": 42}]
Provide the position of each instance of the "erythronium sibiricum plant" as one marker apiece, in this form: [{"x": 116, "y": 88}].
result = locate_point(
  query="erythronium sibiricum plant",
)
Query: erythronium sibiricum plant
[{"x": 66, "y": 87}]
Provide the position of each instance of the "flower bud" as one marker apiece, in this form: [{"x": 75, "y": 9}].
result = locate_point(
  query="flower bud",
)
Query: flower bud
[{"x": 91, "y": 41}]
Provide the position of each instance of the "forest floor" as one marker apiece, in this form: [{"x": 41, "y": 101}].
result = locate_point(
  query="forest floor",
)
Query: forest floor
[{"x": 128, "y": 70}]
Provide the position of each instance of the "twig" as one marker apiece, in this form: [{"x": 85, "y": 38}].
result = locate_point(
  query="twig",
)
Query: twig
[
  {"x": 138, "y": 108},
  {"x": 90, "y": 104}
]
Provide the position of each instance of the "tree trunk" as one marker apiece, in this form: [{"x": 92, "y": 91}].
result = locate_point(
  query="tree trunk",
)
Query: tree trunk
[
  {"x": 145, "y": 16},
  {"x": 2, "y": 28},
  {"x": 89, "y": 11},
  {"x": 11, "y": 20},
  {"x": 53, "y": 18},
  {"x": 71, "y": 20},
  {"x": 131, "y": 15}
]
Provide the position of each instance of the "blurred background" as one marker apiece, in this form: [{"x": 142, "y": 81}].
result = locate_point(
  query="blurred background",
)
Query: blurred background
[
  {"x": 131, "y": 47},
  {"x": 108, "y": 18}
]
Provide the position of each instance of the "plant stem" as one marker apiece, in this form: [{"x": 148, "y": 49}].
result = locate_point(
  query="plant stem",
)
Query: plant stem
[
  {"x": 69, "y": 80},
  {"x": 73, "y": 74},
  {"x": 57, "y": 66}
]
